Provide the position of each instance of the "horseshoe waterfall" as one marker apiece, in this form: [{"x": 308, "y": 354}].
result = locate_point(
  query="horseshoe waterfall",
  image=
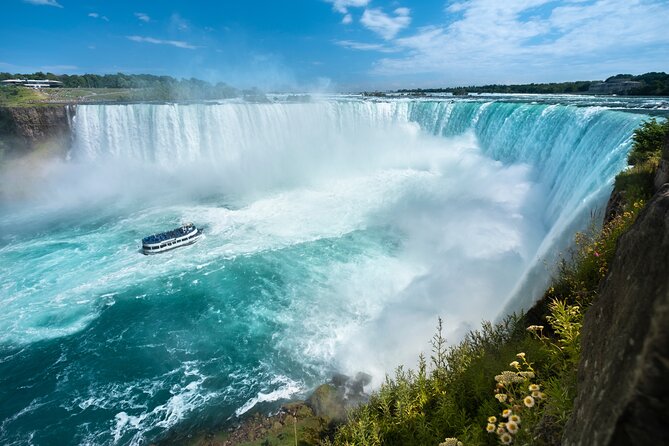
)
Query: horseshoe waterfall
[{"x": 336, "y": 232}]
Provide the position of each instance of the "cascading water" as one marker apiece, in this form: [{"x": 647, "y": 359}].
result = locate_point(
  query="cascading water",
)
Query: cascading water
[{"x": 336, "y": 232}]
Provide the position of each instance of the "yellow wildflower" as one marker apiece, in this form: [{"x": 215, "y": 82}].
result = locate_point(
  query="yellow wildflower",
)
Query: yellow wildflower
[
  {"x": 492, "y": 419},
  {"x": 534, "y": 387},
  {"x": 520, "y": 355},
  {"x": 490, "y": 428},
  {"x": 501, "y": 397},
  {"x": 515, "y": 364},
  {"x": 505, "y": 438},
  {"x": 528, "y": 401},
  {"x": 536, "y": 394},
  {"x": 515, "y": 418},
  {"x": 506, "y": 413}
]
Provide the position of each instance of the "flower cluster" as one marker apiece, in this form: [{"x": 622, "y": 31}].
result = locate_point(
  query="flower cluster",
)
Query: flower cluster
[
  {"x": 516, "y": 392},
  {"x": 451, "y": 442},
  {"x": 536, "y": 328}
]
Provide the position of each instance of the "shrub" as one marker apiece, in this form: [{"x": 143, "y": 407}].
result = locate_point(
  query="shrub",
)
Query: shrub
[{"x": 648, "y": 140}]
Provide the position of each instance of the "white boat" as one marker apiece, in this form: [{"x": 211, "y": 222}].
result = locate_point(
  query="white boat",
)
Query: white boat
[{"x": 185, "y": 235}]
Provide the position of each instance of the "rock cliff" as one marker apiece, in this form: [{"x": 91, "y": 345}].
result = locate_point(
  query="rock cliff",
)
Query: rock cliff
[
  {"x": 623, "y": 392},
  {"x": 662, "y": 174},
  {"x": 25, "y": 130}
]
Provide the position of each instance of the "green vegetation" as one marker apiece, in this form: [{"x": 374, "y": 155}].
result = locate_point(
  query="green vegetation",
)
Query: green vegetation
[
  {"x": 124, "y": 87},
  {"x": 549, "y": 88},
  {"x": 652, "y": 84},
  {"x": 295, "y": 424},
  {"x": 637, "y": 181},
  {"x": 152, "y": 87},
  {"x": 19, "y": 96},
  {"x": 514, "y": 381}
]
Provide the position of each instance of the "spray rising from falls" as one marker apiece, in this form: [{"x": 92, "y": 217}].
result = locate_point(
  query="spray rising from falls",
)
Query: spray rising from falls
[{"x": 336, "y": 232}]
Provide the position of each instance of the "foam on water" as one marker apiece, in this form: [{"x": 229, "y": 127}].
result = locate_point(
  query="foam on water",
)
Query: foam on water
[{"x": 335, "y": 234}]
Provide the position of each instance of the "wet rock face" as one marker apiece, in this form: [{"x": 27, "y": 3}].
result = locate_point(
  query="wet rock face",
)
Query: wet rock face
[
  {"x": 332, "y": 400},
  {"x": 623, "y": 387},
  {"x": 26, "y": 129}
]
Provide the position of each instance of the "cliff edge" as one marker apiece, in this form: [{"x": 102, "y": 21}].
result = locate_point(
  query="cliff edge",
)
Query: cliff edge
[
  {"x": 623, "y": 396},
  {"x": 25, "y": 130}
]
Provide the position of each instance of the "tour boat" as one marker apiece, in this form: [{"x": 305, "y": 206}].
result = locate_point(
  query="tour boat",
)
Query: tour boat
[{"x": 187, "y": 234}]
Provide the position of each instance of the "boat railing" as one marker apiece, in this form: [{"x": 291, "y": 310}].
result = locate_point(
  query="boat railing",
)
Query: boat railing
[{"x": 175, "y": 233}]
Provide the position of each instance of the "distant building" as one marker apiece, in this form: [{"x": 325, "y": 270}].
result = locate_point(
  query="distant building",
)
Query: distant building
[
  {"x": 614, "y": 87},
  {"x": 33, "y": 83}
]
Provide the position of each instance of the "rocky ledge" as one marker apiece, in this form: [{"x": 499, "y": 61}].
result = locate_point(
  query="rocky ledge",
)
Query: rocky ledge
[
  {"x": 25, "y": 130},
  {"x": 623, "y": 396},
  {"x": 305, "y": 423}
]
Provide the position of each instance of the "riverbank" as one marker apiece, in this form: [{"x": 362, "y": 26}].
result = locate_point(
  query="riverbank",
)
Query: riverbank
[{"x": 304, "y": 422}]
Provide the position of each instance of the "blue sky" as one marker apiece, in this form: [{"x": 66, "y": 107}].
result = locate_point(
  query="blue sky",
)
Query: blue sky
[{"x": 339, "y": 44}]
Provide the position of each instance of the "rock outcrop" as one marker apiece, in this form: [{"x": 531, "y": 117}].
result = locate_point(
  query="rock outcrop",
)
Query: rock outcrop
[
  {"x": 662, "y": 174},
  {"x": 24, "y": 130},
  {"x": 623, "y": 385},
  {"x": 332, "y": 400}
]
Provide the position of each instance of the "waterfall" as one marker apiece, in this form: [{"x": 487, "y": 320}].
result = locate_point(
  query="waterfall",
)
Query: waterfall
[{"x": 574, "y": 152}]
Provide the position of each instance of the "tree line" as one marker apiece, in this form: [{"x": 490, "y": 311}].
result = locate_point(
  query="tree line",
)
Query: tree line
[
  {"x": 652, "y": 84},
  {"x": 156, "y": 87}
]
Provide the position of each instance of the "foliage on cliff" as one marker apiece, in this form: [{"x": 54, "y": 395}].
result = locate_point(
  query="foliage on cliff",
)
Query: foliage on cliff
[{"x": 637, "y": 180}]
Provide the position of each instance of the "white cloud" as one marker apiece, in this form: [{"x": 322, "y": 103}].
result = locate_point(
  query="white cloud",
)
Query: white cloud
[
  {"x": 178, "y": 23},
  {"x": 143, "y": 17},
  {"x": 44, "y": 3},
  {"x": 343, "y": 5},
  {"x": 385, "y": 25},
  {"x": 347, "y": 19},
  {"x": 176, "y": 43},
  {"x": 526, "y": 40},
  {"x": 362, "y": 46},
  {"x": 95, "y": 15}
]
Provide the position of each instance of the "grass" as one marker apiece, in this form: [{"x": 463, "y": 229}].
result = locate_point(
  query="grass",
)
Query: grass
[
  {"x": 91, "y": 94},
  {"x": 20, "y": 96},
  {"x": 29, "y": 97}
]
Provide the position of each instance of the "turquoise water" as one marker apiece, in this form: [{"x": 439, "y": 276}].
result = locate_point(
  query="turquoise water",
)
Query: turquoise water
[{"x": 335, "y": 234}]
